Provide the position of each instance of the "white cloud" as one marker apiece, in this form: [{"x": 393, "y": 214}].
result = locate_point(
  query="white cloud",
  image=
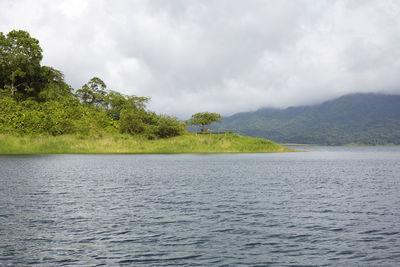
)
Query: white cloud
[{"x": 224, "y": 56}]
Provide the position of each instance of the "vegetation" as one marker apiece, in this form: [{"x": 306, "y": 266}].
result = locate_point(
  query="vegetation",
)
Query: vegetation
[
  {"x": 204, "y": 119},
  {"x": 124, "y": 143},
  {"x": 20, "y": 57},
  {"x": 35, "y": 99},
  {"x": 41, "y": 113},
  {"x": 371, "y": 119}
]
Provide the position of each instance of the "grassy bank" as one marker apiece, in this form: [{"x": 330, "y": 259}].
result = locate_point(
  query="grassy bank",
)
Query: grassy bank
[{"x": 72, "y": 144}]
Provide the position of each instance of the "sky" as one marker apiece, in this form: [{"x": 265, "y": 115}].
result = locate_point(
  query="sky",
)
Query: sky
[{"x": 224, "y": 56}]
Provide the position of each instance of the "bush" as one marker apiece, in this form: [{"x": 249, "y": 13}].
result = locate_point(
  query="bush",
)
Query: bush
[
  {"x": 169, "y": 127},
  {"x": 69, "y": 116},
  {"x": 131, "y": 122}
]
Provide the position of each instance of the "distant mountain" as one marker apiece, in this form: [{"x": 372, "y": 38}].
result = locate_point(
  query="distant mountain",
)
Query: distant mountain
[{"x": 358, "y": 118}]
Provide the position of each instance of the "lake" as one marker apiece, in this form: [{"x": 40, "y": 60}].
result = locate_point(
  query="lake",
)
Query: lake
[{"x": 332, "y": 206}]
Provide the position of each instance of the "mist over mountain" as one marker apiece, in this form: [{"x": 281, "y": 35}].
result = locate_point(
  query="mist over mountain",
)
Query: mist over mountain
[{"x": 372, "y": 119}]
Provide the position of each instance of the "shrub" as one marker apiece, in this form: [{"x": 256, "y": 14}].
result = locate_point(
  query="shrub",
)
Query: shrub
[{"x": 169, "y": 127}]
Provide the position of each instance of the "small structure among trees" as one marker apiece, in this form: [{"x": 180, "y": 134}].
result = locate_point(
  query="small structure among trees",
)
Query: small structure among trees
[{"x": 204, "y": 119}]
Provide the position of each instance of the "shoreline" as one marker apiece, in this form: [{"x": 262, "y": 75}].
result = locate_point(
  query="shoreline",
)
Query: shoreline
[{"x": 126, "y": 144}]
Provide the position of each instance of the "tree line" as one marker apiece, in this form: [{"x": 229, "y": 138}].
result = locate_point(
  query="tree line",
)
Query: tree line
[{"x": 35, "y": 99}]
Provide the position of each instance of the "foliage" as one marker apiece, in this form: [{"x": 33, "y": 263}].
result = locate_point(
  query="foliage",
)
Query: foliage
[
  {"x": 115, "y": 102},
  {"x": 204, "y": 119},
  {"x": 51, "y": 117},
  {"x": 20, "y": 57},
  {"x": 53, "y": 85},
  {"x": 132, "y": 122},
  {"x": 149, "y": 124},
  {"x": 169, "y": 127},
  {"x": 93, "y": 93},
  {"x": 35, "y": 99}
]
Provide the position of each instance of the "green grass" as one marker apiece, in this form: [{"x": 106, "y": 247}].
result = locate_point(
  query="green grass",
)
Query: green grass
[{"x": 120, "y": 144}]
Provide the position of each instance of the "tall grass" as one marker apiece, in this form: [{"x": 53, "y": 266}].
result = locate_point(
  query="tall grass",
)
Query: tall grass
[{"x": 119, "y": 144}]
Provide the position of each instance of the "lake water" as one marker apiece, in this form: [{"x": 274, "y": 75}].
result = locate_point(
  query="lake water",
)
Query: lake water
[{"x": 332, "y": 206}]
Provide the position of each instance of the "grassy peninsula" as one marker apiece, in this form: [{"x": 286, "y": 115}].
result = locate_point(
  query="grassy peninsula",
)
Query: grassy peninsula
[{"x": 121, "y": 144}]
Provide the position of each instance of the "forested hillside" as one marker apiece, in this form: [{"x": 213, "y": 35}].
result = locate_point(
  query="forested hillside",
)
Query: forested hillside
[
  {"x": 35, "y": 99},
  {"x": 358, "y": 118}
]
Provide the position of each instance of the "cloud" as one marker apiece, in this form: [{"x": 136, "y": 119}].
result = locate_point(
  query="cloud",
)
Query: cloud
[{"x": 225, "y": 56}]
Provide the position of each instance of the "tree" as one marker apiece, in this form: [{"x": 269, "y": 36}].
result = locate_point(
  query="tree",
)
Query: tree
[
  {"x": 204, "y": 119},
  {"x": 20, "y": 57},
  {"x": 53, "y": 85},
  {"x": 115, "y": 102},
  {"x": 93, "y": 92}
]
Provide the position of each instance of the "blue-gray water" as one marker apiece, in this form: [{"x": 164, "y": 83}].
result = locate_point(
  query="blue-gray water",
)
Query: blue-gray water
[{"x": 331, "y": 206}]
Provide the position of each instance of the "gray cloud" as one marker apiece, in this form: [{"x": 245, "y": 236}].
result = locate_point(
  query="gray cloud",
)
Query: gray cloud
[{"x": 223, "y": 56}]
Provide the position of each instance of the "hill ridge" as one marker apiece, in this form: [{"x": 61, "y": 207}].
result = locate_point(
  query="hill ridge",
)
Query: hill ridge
[{"x": 360, "y": 118}]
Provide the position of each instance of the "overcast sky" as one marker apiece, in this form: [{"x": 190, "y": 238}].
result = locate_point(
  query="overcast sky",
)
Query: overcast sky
[{"x": 215, "y": 55}]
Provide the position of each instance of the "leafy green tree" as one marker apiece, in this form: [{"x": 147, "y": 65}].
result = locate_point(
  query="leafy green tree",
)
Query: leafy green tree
[
  {"x": 137, "y": 121},
  {"x": 204, "y": 119},
  {"x": 20, "y": 57},
  {"x": 93, "y": 93},
  {"x": 115, "y": 102},
  {"x": 54, "y": 86},
  {"x": 99, "y": 89},
  {"x": 85, "y": 95},
  {"x": 149, "y": 124},
  {"x": 136, "y": 102}
]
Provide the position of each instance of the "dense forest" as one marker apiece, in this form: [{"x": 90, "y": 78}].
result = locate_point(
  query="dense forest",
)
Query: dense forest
[
  {"x": 36, "y": 99},
  {"x": 371, "y": 119}
]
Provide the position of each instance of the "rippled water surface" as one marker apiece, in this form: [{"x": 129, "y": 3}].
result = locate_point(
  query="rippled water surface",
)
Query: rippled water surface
[{"x": 331, "y": 206}]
